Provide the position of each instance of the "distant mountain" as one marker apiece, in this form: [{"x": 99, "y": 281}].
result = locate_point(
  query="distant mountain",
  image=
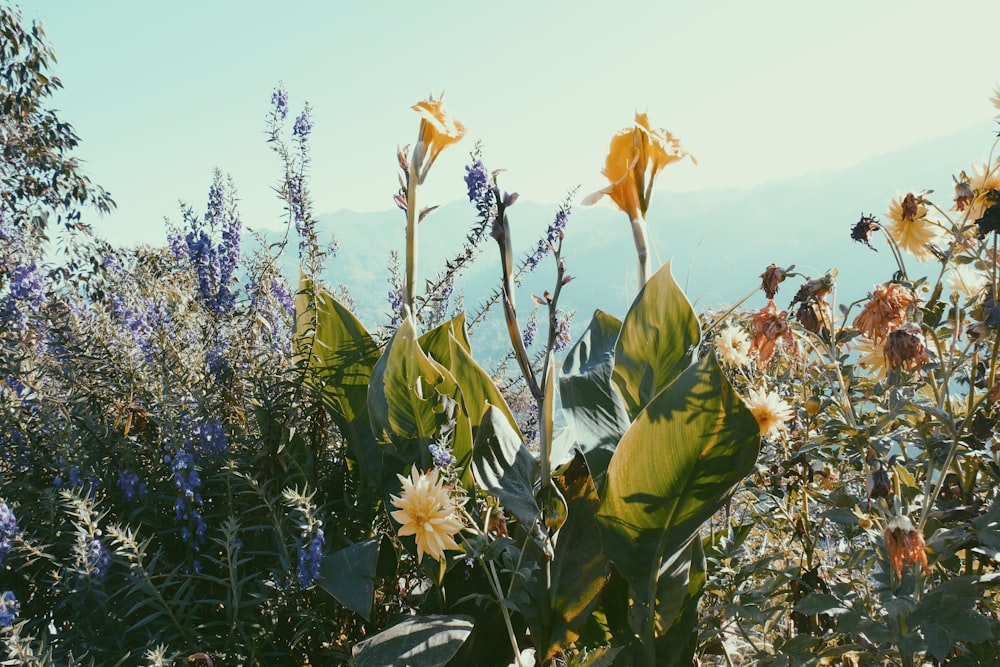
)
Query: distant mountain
[{"x": 719, "y": 240}]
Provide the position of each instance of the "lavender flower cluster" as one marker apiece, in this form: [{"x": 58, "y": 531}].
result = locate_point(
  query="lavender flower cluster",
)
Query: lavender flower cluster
[
  {"x": 212, "y": 246},
  {"x": 8, "y": 609},
  {"x": 310, "y": 556},
  {"x": 25, "y": 294},
  {"x": 552, "y": 235},
  {"x": 8, "y": 529}
]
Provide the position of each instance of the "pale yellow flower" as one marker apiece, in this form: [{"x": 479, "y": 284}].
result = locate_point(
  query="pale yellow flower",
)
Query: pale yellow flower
[
  {"x": 427, "y": 512},
  {"x": 985, "y": 182},
  {"x": 732, "y": 346},
  {"x": 910, "y": 228},
  {"x": 636, "y": 155},
  {"x": 871, "y": 357},
  {"x": 966, "y": 280},
  {"x": 770, "y": 410},
  {"x": 438, "y": 130}
]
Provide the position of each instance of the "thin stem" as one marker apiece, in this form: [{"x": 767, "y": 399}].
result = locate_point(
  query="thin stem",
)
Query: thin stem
[
  {"x": 411, "y": 239},
  {"x": 641, "y": 249},
  {"x": 494, "y": 581}
]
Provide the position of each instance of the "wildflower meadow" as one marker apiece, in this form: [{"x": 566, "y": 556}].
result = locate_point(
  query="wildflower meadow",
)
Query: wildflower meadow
[{"x": 206, "y": 461}]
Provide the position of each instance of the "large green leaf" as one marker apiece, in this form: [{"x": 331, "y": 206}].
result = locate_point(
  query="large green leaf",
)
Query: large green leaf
[
  {"x": 678, "y": 591},
  {"x": 448, "y": 344},
  {"x": 412, "y": 399},
  {"x": 594, "y": 409},
  {"x": 503, "y": 466},
  {"x": 349, "y": 575},
  {"x": 672, "y": 470},
  {"x": 656, "y": 341},
  {"x": 342, "y": 355},
  {"x": 579, "y": 568},
  {"x": 424, "y": 641}
]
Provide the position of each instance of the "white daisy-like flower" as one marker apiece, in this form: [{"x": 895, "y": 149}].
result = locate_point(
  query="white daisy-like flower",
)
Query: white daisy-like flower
[
  {"x": 770, "y": 410},
  {"x": 732, "y": 346},
  {"x": 966, "y": 280}
]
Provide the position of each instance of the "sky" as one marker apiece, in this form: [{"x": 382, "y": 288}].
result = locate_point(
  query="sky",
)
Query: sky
[{"x": 161, "y": 94}]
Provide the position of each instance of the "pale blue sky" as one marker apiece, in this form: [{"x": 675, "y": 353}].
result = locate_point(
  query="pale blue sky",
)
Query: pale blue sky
[{"x": 161, "y": 93}]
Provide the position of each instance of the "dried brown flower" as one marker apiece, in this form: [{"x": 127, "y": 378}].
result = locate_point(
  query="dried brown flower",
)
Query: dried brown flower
[
  {"x": 911, "y": 205},
  {"x": 862, "y": 231},
  {"x": 886, "y": 310},
  {"x": 963, "y": 192},
  {"x": 771, "y": 278},
  {"x": 905, "y": 349},
  {"x": 904, "y": 545},
  {"x": 769, "y": 329}
]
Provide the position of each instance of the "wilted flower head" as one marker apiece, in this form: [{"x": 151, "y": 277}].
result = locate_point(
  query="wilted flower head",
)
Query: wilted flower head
[
  {"x": 904, "y": 544},
  {"x": 905, "y": 349},
  {"x": 963, "y": 192},
  {"x": 773, "y": 276},
  {"x": 438, "y": 130},
  {"x": 732, "y": 346},
  {"x": 427, "y": 512},
  {"x": 862, "y": 231},
  {"x": 885, "y": 310},
  {"x": 636, "y": 155},
  {"x": 769, "y": 329},
  {"x": 770, "y": 410}
]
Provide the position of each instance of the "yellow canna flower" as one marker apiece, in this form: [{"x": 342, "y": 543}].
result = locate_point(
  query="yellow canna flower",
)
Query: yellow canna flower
[
  {"x": 427, "y": 512},
  {"x": 636, "y": 156},
  {"x": 438, "y": 130}
]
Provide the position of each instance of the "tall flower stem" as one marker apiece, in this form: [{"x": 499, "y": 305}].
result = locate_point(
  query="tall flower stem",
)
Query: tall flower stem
[
  {"x": 641, "y": 248},
  {"x": 409, "y": 276}
]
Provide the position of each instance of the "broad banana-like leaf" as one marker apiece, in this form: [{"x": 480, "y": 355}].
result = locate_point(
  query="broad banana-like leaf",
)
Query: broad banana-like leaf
[
  {"x": 579, "y": 568},
  {"x": 595, "y": 412},
  {"x": 427, "y": 641},
  {"x": 678, "y": 591},
  {"x": 342, "y": 353},
  {"x": 503, "y": 467},
  {"x": 411, "y": 397},
  {"x": 673, "y": 469},
  {"x": 448, "y": 344},
  {"x": 349, "y": 574},
  {"x": 656, "y": 342}
]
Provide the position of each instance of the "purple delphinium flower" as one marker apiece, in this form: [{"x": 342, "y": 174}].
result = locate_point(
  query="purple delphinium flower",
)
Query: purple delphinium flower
[
  {"x": 530, "y": 329},
  {"x": 98, "y": 558},
  {"x": 441, "y": 455},
  {"x": 279, "y": 101},
  {"x": 25, "y": 295},
  {"x": 395, "y": 295},
  {"x": 303, "y": 125},
  {"x": 563, "y": 338},
  {"x": 8, "y": 529},
  {"x": 310, "y": 556},
  {"x": 552, "y": 235},
  {"x": 8, "y": 609},
  {"x": 130, "y": 484},
  {"x": 187, "y": 505}
]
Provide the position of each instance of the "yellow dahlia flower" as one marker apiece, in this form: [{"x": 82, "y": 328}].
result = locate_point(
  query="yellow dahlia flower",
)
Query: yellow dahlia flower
[
  {"x": 427, "y": 512},
  {"x": 910, "y": 228},
  {"x": 733, "y": 346}
]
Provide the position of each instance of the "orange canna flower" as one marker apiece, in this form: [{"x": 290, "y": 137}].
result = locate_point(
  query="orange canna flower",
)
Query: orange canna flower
[
  {"x": 636, "y": 156},
  {"x": 438, "y": 130},
  {"x": 769, "y": 329}
]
